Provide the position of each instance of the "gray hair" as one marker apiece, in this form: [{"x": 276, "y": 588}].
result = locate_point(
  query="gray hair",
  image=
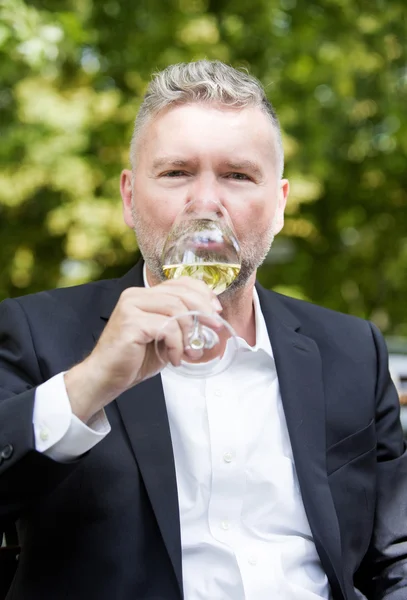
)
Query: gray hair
[{"x": 204, "y": 81}]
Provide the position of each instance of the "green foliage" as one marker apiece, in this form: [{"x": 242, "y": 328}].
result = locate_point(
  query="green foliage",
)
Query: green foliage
[{"x": 72, "y": 75}]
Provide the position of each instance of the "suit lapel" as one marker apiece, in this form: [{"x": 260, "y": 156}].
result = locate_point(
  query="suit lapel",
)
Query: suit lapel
[
  {"x": 298, "y": 365},
  {"x": 145, "y": 420}
]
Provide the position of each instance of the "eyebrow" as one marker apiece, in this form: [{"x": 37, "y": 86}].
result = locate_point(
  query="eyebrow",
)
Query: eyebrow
[
  {"x": 168, "y": 161},
  {"x": 243, "y": 165},
  {"x": 233, "y": 165}
]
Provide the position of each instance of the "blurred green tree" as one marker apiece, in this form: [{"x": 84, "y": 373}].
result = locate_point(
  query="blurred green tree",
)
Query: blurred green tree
[{"x": 73, "y": 73}]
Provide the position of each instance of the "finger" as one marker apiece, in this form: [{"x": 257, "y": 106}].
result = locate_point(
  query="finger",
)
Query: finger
[
  {"x": 192, "y": 291},
  {"x": 175, "y": 349},
  {"x": 169, "y": 338},
  {"x": 172, "y": 337},
  {"x": 169, "y": 303},
  {"x": 179, "y": 287},
  {"x": 189, "y": 283}
]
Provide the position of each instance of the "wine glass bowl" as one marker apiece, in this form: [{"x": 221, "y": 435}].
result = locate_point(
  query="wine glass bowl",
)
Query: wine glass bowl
[{"x": 202, "y": 244}]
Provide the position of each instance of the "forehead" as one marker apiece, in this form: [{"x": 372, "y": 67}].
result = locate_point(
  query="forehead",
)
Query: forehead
[{"x": 203, "y": 129}]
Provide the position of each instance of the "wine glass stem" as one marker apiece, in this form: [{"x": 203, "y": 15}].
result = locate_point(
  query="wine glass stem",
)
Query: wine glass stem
[{"x": 196, "y": 338}]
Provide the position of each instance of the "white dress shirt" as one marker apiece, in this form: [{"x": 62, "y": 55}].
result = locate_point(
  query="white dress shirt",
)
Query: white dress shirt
[{"x": 244, "y": 531}]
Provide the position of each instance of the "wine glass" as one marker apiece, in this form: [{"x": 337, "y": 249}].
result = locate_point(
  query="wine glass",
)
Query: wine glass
[{"x": 202, "y": 244}]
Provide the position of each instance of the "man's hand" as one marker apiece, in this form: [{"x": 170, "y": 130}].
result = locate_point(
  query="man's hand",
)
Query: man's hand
[{"x": 125, "y": 354}]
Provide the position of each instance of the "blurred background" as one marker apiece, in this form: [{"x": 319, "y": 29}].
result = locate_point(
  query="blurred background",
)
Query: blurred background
[{"x": 73, "y": 73}]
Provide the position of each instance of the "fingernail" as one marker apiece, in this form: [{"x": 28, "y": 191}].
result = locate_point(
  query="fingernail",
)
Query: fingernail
[{"x": 217, "y": 305}]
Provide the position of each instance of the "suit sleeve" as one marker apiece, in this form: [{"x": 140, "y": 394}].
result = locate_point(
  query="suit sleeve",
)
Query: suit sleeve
[
  {"x": 25, "y": 474},
  {"x": 383, "y": 573}
]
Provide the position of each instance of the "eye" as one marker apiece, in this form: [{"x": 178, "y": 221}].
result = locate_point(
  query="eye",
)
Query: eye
[
  {"x": 238, "y": 176},
  {"x": 172, "y": 174}
]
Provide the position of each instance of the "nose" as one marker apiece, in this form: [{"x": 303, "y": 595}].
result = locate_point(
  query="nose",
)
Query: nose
[{"x": 205, "y": 194}]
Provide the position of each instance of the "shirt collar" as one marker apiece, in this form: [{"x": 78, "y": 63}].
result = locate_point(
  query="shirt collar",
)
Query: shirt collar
[{"x": 262, "y": 338}]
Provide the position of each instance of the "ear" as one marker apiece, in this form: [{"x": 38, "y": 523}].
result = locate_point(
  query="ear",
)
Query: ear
[
  {"x": 281, "y": 204},
  {"x": 126, "y": 191}
]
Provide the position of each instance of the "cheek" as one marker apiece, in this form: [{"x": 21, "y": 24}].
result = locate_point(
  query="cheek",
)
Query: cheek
[
  {"x": 151, "y": 211},
  {"x": 254, "y": 221},
  {"x": 156, "y": 206}
]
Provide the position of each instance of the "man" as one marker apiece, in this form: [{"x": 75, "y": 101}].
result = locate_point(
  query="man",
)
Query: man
[{"x": 284, "y": 477}]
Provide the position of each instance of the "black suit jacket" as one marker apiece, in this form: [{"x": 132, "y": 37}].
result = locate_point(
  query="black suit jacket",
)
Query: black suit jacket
[{"x": 106, "y": 526}]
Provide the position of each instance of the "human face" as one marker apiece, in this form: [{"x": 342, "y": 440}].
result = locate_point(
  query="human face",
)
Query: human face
[{"x": 206, "y": 152}]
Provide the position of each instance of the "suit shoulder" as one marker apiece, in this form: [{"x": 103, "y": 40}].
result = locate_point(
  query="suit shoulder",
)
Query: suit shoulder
[
  {"x": 335, "y": 333},
  {"x": 72, "y": 297},
  {"x": 321, "y": 317}
]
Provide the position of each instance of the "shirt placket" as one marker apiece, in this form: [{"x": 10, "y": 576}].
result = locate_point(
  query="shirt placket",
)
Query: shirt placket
[{"x": 227, "y": 444}]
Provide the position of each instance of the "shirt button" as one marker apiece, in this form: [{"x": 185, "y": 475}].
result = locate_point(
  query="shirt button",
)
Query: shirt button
[
  {"x": 218, "y": 393},
  {"x": 44, "y": 434},
  {"x": 252, "y": 560},
  {"x": 228, "y": 457},
  {"x": 7, "y": 452},
  {"x": 225, "y": 525}
]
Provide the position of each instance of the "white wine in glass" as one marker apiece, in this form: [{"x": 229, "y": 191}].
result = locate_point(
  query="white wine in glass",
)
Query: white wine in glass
[
  {"x": 202, "y": 244},
  {"x": 217, "y": 275}
]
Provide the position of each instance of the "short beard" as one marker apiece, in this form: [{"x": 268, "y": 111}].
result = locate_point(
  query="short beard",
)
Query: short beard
[
  {"x": 253, "y": 253},
  {"x": 252, "y": 257},
  {"x": 150, "y": 245}
]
